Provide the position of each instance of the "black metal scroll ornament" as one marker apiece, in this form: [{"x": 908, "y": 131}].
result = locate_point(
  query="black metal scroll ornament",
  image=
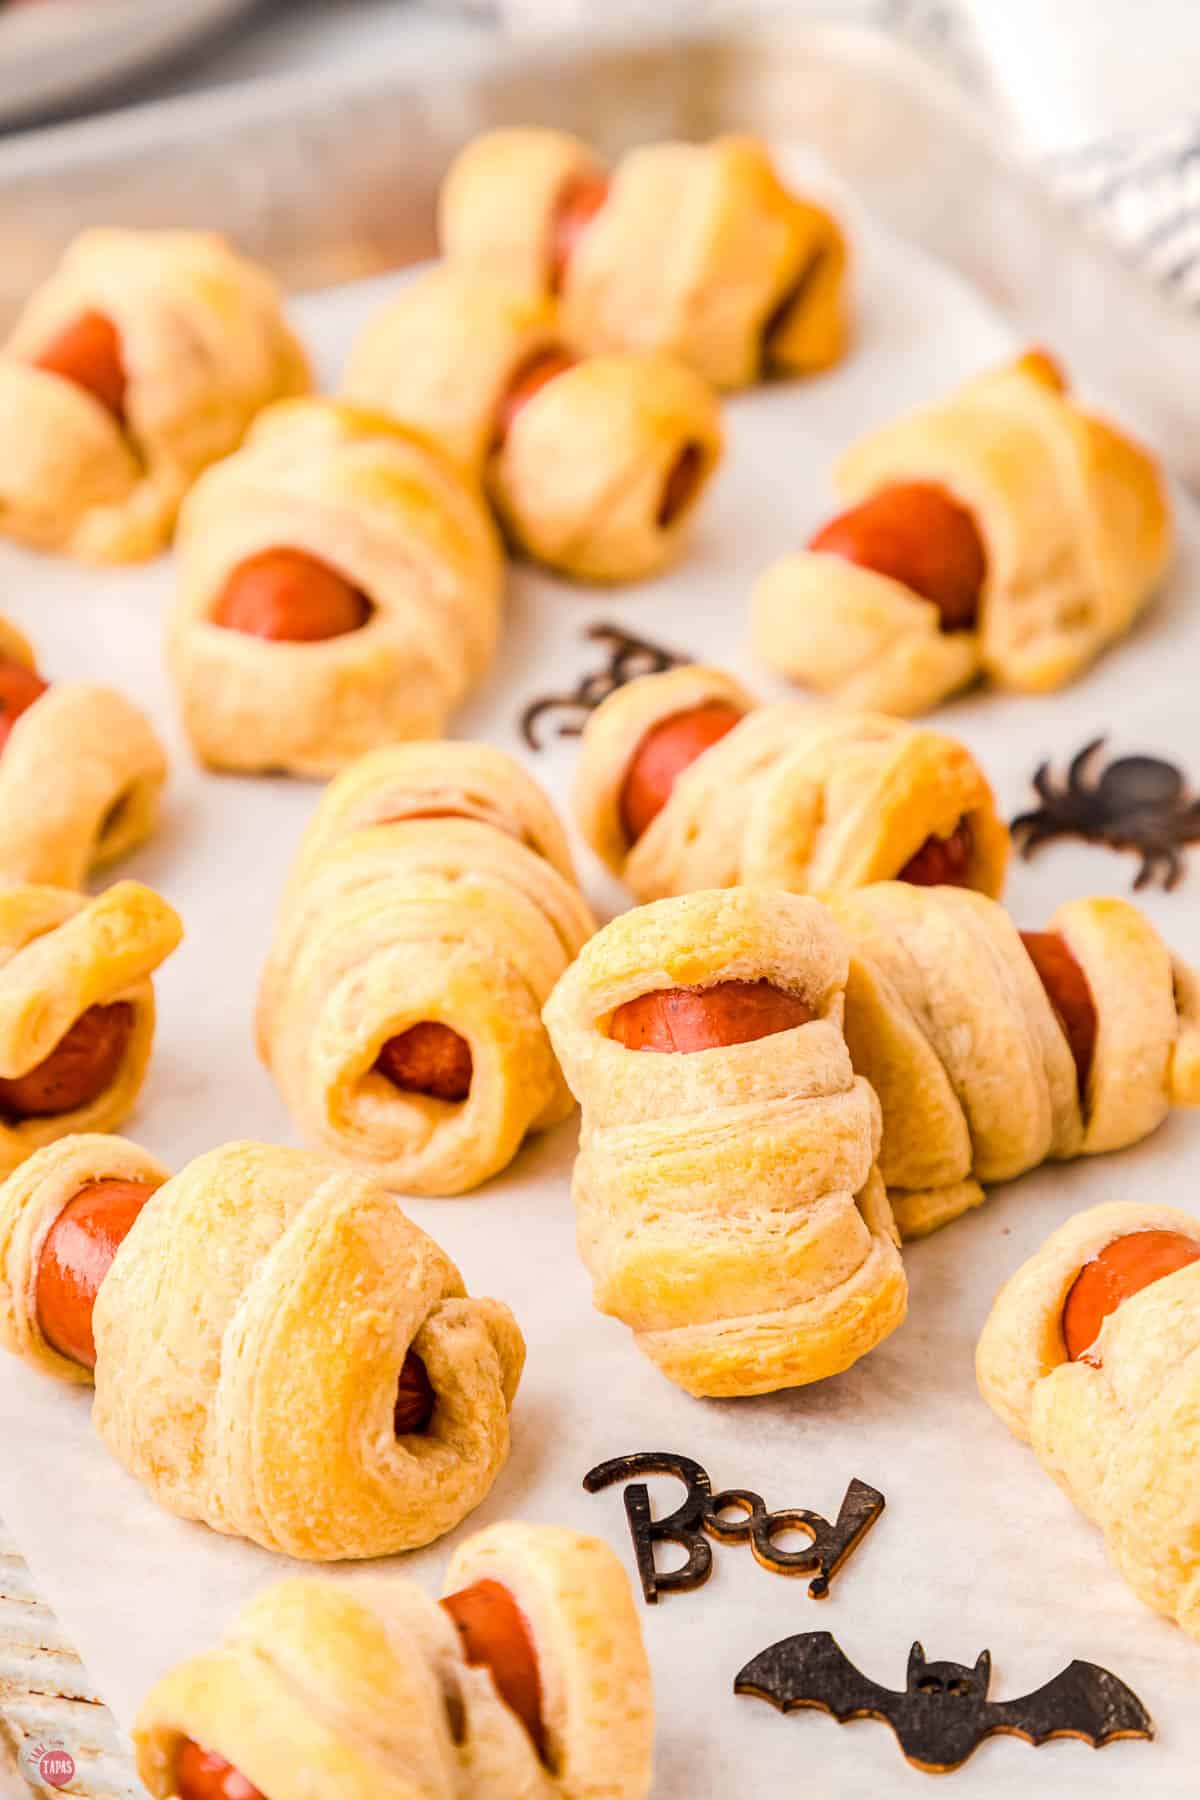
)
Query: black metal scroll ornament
[
  {"x": 628, "y": 657},
  {"x": 1137, "y": 803},
  {"x": 703, "y": 1512},
  {"x": 943, "y": 1713}
]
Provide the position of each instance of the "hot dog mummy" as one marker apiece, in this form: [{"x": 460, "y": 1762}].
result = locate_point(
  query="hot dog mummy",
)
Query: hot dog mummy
[
  {"x": 992, "y": 1050},
  {"x": 76, "y": 1009},
  {"x": 729, "y": 1208},
  {"x": 340, "y": 587},
  {"x": 697, "y": 250},
  {"x": 594, "y": 467},
  {"x": 543, "y": 1692},
  {"x": 431, "y": 909},
  {"x": 141, "y": 361},
  {"x": 81, "y": 773},
  {"x": 684, "y": 782},
  {"x": 331, "y": 1391},
  {"x": 1003, "y": 532},
  {"x": 1092, "y": 1355}
]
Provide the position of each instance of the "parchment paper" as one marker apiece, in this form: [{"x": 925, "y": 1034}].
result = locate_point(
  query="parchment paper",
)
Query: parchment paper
[{"x": 977, "y": 1547}]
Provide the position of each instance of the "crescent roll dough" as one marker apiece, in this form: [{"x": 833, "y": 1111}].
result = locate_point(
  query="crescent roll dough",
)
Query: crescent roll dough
[
  {"x": 948, "y": 1020},
  {"x": 250, "y": 1335},
  {"x": 80, "y": 779},
  {"x": 61, "y": 955},
  {"x": 1122, "y": 1438},
  {"x": 1074, "y": 519},
  {"x": 598, "y": 473},
  {"x": 379, "y": 504},
  {"x": 697, "y": 250},
  {"x": 371, "y": 1687},
  {"x": 799, "y": 797},
  {"x": 729, "y": 1208},
  {"x": 434, "y": 886},
  {"x": 204, "y": 347}
]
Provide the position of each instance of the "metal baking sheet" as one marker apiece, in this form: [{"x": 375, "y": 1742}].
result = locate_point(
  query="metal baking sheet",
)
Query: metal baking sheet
[
  {"x": 976, "y": 1547},
  {"x": 330, "y": 180}
]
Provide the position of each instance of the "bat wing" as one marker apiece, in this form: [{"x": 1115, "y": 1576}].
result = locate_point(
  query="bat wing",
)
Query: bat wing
[
  {"x": 1083, "y": 1701},
  {"x": 812, "y": 1669}
]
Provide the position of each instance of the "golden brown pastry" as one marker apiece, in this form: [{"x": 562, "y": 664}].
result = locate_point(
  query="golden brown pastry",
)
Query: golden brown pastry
[
  {"x": 543, "y": 1692},
  {"x": 697, "y": 250},
  {"x": 595, "y": 467},
  {"x": 1003, "y": 532},
  {"x": 432, "y": 908},
  {"x": 76, "y": 1009},
  {"x": 141, "y": 361},
  {"x": 729, "y": 1207},
  {"x": 992, "y": 1050},
  {"x": 685, "y": 782},
  {"x": 340, "y": 587},
  {"x": 1092, "y": 1355},
  {"x": 81, "y": 773},
  {"x": 278, "y": 1351}
]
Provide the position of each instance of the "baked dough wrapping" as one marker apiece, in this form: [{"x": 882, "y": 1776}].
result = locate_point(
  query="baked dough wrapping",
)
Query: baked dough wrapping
[
  {"x": 1120, "y": 1438},
  {"x": 434, "y": 885},
  {"x": 371, "y": 1687},
  {"x": 81, "y": 777},
  {"x": 697, "y": 250},
  {"x": 729, "y": 1208},
  {"x": 948, "y": 1020},
  {"x": 800, "y": 797},
  {"x": 61, "y": 954},
  {"x": 204, "y": 346},
  {"x": 384, "y": 508},
  {"x": 586, "y": 476},
  {"x": 1075, "y": 522},
  {"x": 263, "y": 1403}
]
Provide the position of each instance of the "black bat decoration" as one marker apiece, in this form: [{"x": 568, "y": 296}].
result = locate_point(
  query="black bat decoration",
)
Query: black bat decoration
[{"x": 943, "y": 1714}]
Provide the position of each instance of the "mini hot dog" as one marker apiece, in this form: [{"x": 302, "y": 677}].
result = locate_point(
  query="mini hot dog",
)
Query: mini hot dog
[
  {"x": 917, "y": 535},
  {"x": 20, "y": 686},
  {"x": 978, "y": 540},
  {"x": 529, "y": 1678},
  {"x": 1091, "y": 1354},
  {"x": 594, "y": 464},
  {"x": 1122, "y": 1269},
  {"x": 88, "y": 353},
  {"x": 98, "y": 1246},
  {"x": 495, "y": 1635},
  {"x": 83, "y": 1063},
  {"x": 428, "y": 1058},
  {"x": 994, "y": 1050},
  {"x": 688, "y": 1019},
  {"x": 695, "y": 250},
  {"x": 289, "y": 596},
  {"x": 684, "y": 783}
]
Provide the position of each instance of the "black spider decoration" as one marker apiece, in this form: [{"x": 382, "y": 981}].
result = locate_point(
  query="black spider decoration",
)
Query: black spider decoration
[
  {"x": 1138, "y": 803},
  {"x": 628, "y": 657}
]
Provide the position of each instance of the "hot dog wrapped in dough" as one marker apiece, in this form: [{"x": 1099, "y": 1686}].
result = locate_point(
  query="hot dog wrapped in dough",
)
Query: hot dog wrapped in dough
[
  {"x": 529, "y": 1681},
  {"x": 432, "y": 908},
  {"x": 142, "y": 360},
  {"x": 993, "y": 1050},
  {"x": 340, "y": 587},
  {"x": 595, "y": 467},
  {"x": 729, "y": 1208},
  {"x": 1092, "y": 1355},
  {"x": 76, "y": 1009},
  {"x": 685, "y": 782},
  {"x": 1004, "y": 532},
  {"x": 81, "y": 773},
  {"x": 697, "y": 250},
  {"x": 329, "y": 1389}
]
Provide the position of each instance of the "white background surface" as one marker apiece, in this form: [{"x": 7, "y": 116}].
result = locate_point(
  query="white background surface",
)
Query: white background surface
[{"x": 976, "y": 1548}]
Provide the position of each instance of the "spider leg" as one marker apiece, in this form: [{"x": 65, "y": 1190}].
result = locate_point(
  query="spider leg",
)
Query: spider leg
[
  {"x": 1043, "y": 784},
  {"x": 1174, "y": 868},
  {"x": 1033, "y": 833},
  {"x": 1078, "y": 767}
]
